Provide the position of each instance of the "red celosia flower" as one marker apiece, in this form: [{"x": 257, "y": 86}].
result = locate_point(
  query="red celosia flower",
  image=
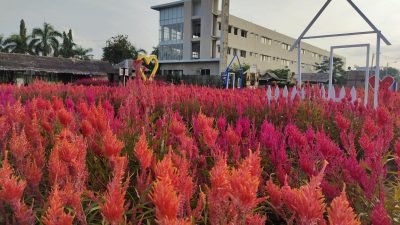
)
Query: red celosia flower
[
  {"x": 342, "y": 122},
  {"x": 380, "y": 216},
  {"x": 143, "y": 153},
  {"x": 23, "y": 214},
  {"x": 86, "y": 128},
  {"x": 165, "y": 199},
  {"x": 55, "y": 214},
  {"x": 341, "y": 213},
  {"x": 256, "y": 220},
  {"x": 65, "y": 117}
]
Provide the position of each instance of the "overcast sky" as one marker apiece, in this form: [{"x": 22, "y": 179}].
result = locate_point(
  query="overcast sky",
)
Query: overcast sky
[{"x": 94, "y": 21}]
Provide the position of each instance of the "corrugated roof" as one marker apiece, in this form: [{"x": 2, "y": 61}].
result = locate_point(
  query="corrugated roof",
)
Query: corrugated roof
[
  {"x": 18, "y": 62},
  {"x": 315, "y": 77}
]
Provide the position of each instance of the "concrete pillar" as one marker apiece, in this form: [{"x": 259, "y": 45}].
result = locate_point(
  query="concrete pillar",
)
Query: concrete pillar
[{"x": 224, "y": 36}]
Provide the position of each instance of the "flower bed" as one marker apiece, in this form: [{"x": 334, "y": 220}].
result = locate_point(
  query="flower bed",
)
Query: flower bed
[{"x": 165, "y": 154}]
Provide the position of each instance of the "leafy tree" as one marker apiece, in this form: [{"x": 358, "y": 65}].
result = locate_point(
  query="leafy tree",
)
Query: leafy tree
[
  {"x": 390, "y": 71},
  {"x": 155, "y": 51},
  {"x": 119, "y": 48},
  {"x": 236, "y": 69},
  {"x": 18, "y": 43},
  {"x": 67, "y": 46},
  {"x": 281, "y": 73},
  {"x": 82, "y": 53},
  {"x": 338, "y": 70},
  {"x": 44, "y": 41},
  {"x": 2, "y": 49}
]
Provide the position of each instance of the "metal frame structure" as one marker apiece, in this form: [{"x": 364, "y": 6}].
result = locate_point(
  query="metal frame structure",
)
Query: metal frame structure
[
  {"x": 366, "y": 71},
  {"x": 227, "y": 72},
  {"x": 375, "y": 30}
]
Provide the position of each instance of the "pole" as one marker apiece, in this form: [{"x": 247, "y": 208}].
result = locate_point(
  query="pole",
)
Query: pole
[
  {"x": 330, "y": 75},
  {"x": 377, "y": 69},
  {"x": 299, "y": 63},
  {"x": 366, "y": 79}
]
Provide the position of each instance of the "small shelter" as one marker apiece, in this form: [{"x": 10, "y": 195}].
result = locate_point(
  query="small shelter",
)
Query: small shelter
[
  {"x": 270, "y": 77},
  {"x": 315, "y": 78},
  {"x": 379, "y": 37},
  {"x": 23, "y": 69}
]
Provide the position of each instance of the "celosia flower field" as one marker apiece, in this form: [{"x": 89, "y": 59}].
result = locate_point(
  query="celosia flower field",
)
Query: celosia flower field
[{"x": 164, "y": 154}]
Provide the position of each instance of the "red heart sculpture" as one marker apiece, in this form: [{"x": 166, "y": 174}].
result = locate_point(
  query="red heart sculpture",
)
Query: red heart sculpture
[{"x": 384, "y": 84}]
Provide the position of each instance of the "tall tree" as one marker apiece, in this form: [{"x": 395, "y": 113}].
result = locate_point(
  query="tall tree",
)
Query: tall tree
[
  {"x": 45, "y": 40},
  {"x": 67, "y": 46},
  {"x": 338, "y": 70},
  {"x": 155, "y": 51},
  {"x": 2, "y": 49},
  {"x": 82, "y": 53},
  {"x": 18, "y": 43},
  {"x": 119, "y": 48}
]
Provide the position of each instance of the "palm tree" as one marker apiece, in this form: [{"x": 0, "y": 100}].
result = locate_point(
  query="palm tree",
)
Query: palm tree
[
  {"x": 45, "y": 40},
  {"x": 67, "y": 46},
  {"x": 18, "y": 43},
  {"x": 82, "y": 53}
]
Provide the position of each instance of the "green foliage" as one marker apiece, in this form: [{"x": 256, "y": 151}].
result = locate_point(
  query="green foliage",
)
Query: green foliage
[
  {"x": 44, "y": 41},
  {"x": 18, "y": 43},
  {"x": 235, "y": 68},
  {"x": 281, "y": 73},
  {"x": 67, "y": 46},
  {"x": 119, "y": 48},
  {"x": 338, "y": 70}
]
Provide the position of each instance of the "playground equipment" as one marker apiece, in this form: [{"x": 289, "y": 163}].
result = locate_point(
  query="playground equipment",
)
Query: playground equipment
[{"x": 227, "y": 75}]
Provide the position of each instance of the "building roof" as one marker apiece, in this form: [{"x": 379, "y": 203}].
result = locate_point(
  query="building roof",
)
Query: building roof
[
  {"x": 167, "y": 5},
  {"x": 315, "y": 77},
  {"x": 271, "y": 76},
  {"x": 18, "y": 62}
]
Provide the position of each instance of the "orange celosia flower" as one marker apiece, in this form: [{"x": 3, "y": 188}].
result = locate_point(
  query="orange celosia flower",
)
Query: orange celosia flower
[
  {"x": 112, "y": 146},
  {"x": 11, "y": 188},
  {"x": 143, "y": 153},
  {"x": 340, "y": 212},
  {"x": 113, "y": 208},
  {"x": 55, "y": 214},
  {"x": 165, "y": 199}
]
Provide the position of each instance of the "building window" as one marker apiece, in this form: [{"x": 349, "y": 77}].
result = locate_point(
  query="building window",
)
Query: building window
[
  {"x": 196, "y": 29},
  {"x": 205, "y": 72},
  {"x": 242, "y": 53},
  {"x": 235, "y": 32},
  {"x": 218, "y": 48},
  {"x": 244, "y": 33},
  {"x": 256, "y": 36},
  {"x": 230, "y": 29},
  {"x": 285, "y": 46},
  {"x": 251, "y": 54},
  {"x": 266, "y": 40},
  {"x": 229, "y": 51},
  {"x": 196, "y": 50},
  {"x": 255, "y": 54},
  {"x": 234, "y": 51},
  {"x": 219, "y": 25},
  {"x": 265, "y": 58},
  {"x": 171, "y": 52},
  {"x": 303, "y": 52}
]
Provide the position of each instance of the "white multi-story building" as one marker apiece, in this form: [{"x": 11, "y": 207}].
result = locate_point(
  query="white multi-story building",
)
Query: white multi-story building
[{"x": 190, "y": 42}]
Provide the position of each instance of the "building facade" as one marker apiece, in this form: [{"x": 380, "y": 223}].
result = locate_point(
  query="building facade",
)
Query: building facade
[{"x": 190, "y": 45}]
